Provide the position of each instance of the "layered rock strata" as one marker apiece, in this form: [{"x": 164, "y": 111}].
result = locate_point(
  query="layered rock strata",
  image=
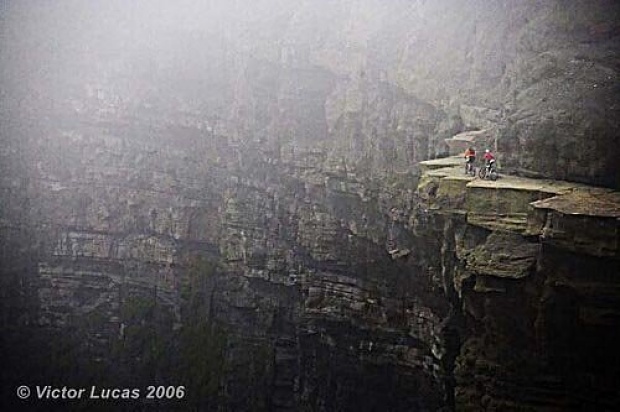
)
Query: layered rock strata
[
  {"x": 536, "y": 283},
  {"x": 234, "y": 204}
]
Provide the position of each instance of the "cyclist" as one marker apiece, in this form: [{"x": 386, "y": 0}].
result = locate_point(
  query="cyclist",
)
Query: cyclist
[
  {"x": 489, "y": 166},
  {"x": 470, "y": 158},
  {"x": 488, "y": 157}
]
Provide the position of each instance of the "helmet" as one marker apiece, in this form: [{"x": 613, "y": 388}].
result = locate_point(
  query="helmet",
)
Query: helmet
[{"x": 487, "y": 151}]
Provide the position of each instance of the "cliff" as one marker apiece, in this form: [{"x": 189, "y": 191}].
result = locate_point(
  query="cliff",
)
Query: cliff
[
  {"x": 536, "y": 282},
  {"x": 242, "y": 202}
]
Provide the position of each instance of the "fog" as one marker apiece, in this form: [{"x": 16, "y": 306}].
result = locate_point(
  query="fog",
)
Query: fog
[
  {"x": 205, "y": 57},
  {"x": 49, "y": 44},
  {"x": 264, "y": 203}
]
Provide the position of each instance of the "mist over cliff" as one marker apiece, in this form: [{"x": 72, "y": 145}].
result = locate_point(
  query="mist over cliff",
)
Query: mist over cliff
[
  {"x": 544, "y": 75},
  {"x": 255, "y": 200}
]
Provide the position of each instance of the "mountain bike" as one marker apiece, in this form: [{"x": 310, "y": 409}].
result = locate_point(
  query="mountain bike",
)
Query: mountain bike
[
  {"x": 470, "y": 169},
  {"x": 489, "y": 171}
]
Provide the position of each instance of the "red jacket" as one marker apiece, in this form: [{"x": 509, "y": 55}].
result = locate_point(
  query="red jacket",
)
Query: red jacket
[{"x": 489, "y": 156}]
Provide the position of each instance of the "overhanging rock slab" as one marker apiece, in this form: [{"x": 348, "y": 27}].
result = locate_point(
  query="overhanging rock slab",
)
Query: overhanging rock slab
[
  {"x": 586, "y": 221},
  {"x": 504, "y": 204}
]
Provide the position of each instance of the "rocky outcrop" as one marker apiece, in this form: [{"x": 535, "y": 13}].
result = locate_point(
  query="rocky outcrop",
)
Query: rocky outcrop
[
  {"x": 584, "y": 221},
  {"x": 535, "y": 282}
]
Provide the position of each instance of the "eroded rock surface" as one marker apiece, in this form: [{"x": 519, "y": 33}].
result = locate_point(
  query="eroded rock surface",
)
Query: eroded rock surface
[
  {"x": 236, "y": 208},
  {"x": 537, "y": 289}
]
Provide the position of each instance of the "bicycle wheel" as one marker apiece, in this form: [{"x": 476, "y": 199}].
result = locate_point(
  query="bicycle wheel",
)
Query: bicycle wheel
[
  {"x": 482, "y": 172},
  {"x": 493, "y": 175}
]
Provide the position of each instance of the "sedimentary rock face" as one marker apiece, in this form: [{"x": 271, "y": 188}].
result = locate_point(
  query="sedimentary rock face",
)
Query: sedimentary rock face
[{"x": 237, "y": 197}]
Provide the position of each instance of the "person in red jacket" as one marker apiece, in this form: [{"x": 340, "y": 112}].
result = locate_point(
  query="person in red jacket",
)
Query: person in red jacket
[
  {"x": 488, "y": 156},
  {"x": 470, "y": 158}
]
